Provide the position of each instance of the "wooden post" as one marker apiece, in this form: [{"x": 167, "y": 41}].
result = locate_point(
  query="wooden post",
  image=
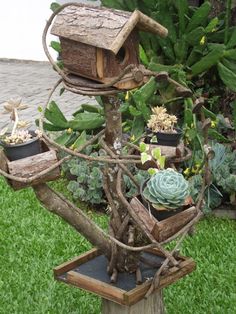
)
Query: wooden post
[
  {"x": 152, "y": 305},
  {"x": 121, "y": 260}
]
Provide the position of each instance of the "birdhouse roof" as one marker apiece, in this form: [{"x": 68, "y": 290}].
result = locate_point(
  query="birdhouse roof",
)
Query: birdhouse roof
[{"x": 102, "y": 27}]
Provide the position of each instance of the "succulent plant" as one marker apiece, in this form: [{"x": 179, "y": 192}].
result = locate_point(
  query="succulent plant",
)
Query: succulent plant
[
  {"x": 16, "y": 136},
  {"x": 161, "y": 121},
  {"x": 167, "y": 188}
]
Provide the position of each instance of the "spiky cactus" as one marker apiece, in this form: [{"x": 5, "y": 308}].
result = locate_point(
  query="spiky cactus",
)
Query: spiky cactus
[{"x": 167, "y": 188}]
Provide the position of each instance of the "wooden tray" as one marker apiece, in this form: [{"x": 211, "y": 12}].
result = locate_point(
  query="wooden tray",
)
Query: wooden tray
[
  {"x": 88, "y": 272},
  {"x": 30, "y": 166},
  {"x": 162, "y": 230}
]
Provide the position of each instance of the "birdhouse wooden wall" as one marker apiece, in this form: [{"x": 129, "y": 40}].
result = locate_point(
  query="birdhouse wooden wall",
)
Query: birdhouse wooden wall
[
  {"x": 127, "y": 54},
  {"x": 97, "y": 63}
]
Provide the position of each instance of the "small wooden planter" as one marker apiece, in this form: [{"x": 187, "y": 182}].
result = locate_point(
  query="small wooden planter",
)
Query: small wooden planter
[
  {"x": 88, "y": 272},
  {"x": 31, "y": 166},
  {"x": 163, "y": 230}
]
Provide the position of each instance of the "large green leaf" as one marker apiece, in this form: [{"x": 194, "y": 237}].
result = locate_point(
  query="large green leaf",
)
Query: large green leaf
[
  {"x": 232, "y": 41},
  {"x": 200, "y": 16},
  {"x": 56, "y": 46},
  {"x": 86, "y": 121},
  {"x": 146, "y": 91},
  {"x": 218, "y": 136},
  {"x": 80, "y": 140},
  {"x": 208, "y": 61},
  {"x": 54, "y": 119},
  {"x": 63, "y": 138},
  {"x": 49, "y": 127},
  {"x": 134, "y": 112},
  {"x": 227, "y": 76},
  {"x": 53, "y": 107},
  {"x": 193, "y": 38},
  {"x": 115, "y": 4},
  {"x": 143, "y": 56},
  {"x": 211, "y": 27},
  {"x": 137, "y": 127},
  {"x": 182, "y": 7},
  {"x": 54, "y": 6}
]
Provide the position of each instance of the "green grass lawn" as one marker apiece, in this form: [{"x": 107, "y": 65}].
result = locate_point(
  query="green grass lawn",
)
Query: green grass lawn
[{"x": 33, "y": 242}]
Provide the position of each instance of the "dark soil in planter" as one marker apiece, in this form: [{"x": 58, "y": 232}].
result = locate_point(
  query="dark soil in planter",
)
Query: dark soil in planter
[
  {"x": 161, "y": 214},
  {"x": 19, "y": 151},
  {"x": 164, "y": 139}
]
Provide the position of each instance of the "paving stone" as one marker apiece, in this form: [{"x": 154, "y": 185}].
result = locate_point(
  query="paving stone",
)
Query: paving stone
[{"x": 32, "y": 81}]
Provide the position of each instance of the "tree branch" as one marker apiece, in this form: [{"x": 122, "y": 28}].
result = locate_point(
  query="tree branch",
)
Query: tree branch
[{"x": 74, "y": 216}]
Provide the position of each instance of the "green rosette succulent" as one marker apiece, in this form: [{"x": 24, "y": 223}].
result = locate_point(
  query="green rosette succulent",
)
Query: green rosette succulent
[{"x": 167, "y": 188}]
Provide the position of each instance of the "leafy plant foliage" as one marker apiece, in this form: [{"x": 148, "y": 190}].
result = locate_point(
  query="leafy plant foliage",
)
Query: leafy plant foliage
[
  {"x": 223, "y": 171},
  {"x": 86, "y": 183},
  {"x": 195, "y": 42}
]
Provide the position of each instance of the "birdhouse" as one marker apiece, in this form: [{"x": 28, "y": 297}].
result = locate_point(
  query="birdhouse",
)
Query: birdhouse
[{"x": 98, "y": 43}]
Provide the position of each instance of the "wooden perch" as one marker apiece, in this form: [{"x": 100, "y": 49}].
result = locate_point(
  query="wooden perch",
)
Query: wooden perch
[{"x": 149, "y": 25}]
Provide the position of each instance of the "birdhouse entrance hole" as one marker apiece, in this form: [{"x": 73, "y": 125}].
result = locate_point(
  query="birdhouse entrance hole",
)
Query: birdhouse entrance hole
[{"x": 122, "y": 55}]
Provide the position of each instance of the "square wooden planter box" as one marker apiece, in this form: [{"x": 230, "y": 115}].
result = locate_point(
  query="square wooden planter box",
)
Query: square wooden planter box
[
  {"x": 164, "y": 229},
  {"x": 31, "y": 166},
  {"x": 88, "y": 272}
]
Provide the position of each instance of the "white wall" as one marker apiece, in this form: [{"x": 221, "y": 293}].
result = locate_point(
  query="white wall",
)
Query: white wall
[{"x": 21, "y": 26}]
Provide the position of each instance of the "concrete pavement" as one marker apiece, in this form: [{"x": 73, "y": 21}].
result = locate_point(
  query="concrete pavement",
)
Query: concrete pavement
[{"x": 32, "y": 81}]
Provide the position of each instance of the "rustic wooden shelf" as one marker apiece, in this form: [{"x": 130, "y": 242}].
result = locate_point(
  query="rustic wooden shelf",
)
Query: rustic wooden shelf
[
  {"x": 88, "y": 272},
  {"x": 31, "y": 166}
]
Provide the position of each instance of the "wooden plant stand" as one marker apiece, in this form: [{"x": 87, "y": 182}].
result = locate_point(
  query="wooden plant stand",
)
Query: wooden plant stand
[
  {"x": 28, "y": 167},
  {"x": 153, "y": 304},
  {"x": 88, "y": 271}
]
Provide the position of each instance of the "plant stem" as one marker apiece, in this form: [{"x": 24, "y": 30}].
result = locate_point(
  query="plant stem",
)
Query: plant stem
[
  {"x": 16, "y": 120},
  {"x": 227, "y": 20}
]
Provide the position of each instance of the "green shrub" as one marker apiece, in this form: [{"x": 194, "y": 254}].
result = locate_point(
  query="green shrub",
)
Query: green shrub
[
  {"x": 86, "y": 183},
  {"x": 223, "y": 185}
]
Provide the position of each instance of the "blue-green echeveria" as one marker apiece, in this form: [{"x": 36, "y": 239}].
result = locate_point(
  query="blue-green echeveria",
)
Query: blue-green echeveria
[{"x": 167, "y": 188}]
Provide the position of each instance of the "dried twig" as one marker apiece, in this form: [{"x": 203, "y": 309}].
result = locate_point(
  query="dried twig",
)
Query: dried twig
[
  {"x": 123, "y": 167},
  {"x": 131, "y": 235},
  {"x": 114, "y": 276},
  {"x": 110, "y": 199},
  {"x": 139, "y": 222},
  {"x": 139, "y": 279},
  {"x": 109, "y": 237},
  {"x": 123, "y": 226},
  {"x": 86, "y": 157}
]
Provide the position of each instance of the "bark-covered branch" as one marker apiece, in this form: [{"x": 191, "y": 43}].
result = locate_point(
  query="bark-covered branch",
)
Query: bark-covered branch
[{"x": 58, "y": 205}]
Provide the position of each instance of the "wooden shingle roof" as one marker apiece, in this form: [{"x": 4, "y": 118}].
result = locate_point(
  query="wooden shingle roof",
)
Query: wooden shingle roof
[{"x": 102, "y": 27}]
